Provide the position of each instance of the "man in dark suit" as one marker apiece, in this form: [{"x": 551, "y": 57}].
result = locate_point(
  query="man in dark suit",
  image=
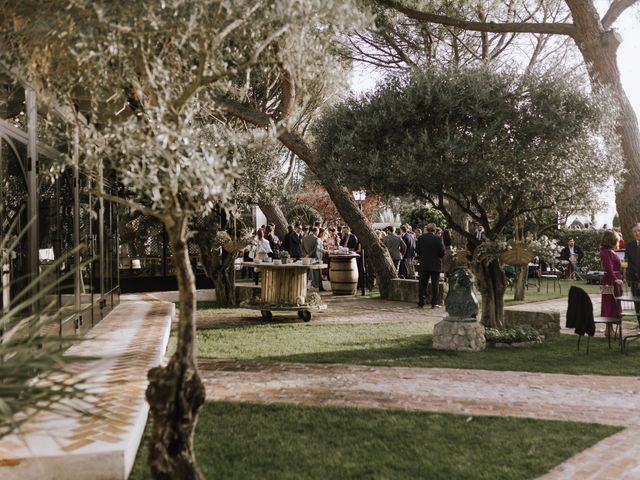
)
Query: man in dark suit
[
  {"x": 295, "y": 242},
  {"x": 406, "y": 266},
  {"x": 430, "y": 250},
  {"x": 572, "y": 254},
  {"x": 348, "y": 239},
  {"x": 632, "y": 256}
]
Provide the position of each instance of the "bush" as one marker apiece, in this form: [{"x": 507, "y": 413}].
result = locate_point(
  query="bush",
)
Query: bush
[
  {"x": 511, "y": 335},
  {"x": 418, "y": 217},
  {"x": 589, "y": 241}
]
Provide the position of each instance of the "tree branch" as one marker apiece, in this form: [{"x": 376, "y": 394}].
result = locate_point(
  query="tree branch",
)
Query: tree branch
[
  {"x": 292, "y": 141},
  {"x": 522, "y": 27},
  {"x": 616, "y": 9}
]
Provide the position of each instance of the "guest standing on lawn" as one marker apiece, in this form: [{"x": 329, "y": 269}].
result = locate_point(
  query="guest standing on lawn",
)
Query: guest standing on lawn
[
  {"x": 632, "y": 255},
  {"x": 612, "y": 277},
  {"x": 396, "y": 246},
  {"x": 430, "y": 250}
]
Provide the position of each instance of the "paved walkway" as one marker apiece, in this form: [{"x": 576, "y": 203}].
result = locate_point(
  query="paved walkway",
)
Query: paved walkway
[{"x": 586, "y": 398}]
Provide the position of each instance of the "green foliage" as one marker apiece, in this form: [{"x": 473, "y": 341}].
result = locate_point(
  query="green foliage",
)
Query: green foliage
[
  {"x": 486, "y": 141},
  {"x": 511, "y": 335},
  {"x": 418, "y": 217},
  {"x": 588, "y": 240},
  {"x": 303, "y": 214}
]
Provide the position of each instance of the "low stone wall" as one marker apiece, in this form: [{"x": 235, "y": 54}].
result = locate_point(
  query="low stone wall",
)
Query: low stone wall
[
  {"x": 546, "y": 323},
  {"x": 403, "y": 290}
]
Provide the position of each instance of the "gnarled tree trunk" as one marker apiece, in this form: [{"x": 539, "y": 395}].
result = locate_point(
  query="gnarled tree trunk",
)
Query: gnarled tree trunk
[
  {"x": 219, "y": 265},
  {"x": 599, "y": 47},
  {"x": 175, "y": 392},
  {"x": 491, "y": 283},
  {"x": 522, "y": 272}
]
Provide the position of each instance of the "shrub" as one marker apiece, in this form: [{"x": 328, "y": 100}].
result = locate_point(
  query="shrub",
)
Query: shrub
[
  {"x": 511, "y": 335},
  {"x": 418, "y": 217}
]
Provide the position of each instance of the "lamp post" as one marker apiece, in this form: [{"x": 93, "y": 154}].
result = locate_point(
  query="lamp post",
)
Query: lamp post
[{"x": 359, "y": 196}]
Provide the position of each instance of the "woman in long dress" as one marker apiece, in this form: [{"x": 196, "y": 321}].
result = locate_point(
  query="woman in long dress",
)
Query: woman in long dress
[{"x": 610, "y": 307}]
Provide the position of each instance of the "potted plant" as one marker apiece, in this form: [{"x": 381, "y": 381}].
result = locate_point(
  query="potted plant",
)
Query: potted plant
[{"x": 284, "y": 256}]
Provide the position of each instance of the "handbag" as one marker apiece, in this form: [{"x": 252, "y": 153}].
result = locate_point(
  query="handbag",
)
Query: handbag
[{"x": 606, "y": 289}]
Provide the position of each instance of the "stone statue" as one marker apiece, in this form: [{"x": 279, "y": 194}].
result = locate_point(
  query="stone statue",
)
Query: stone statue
[
  {"x": 459, "y": 330},
  {"x": 462, "y": 302}
]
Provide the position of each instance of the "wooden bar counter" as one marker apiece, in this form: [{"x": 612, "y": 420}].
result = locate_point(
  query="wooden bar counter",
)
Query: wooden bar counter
[{"x": 283, "y": 285}]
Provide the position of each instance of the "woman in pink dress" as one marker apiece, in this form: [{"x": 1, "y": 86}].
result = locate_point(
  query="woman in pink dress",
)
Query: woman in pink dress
[{"x": 612, "y": 277}]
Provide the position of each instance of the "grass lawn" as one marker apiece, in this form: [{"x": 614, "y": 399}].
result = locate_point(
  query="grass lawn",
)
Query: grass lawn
[
  {"x": 245, "y": 441},
  {"x": 532, "y": 294},
  {"x": 405, "y": 344}
]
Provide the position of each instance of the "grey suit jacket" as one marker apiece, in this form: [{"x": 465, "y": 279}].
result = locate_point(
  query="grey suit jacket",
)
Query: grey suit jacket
[
  {"x": 395, "y": 245},
  {"x": 311, "y": 247}
]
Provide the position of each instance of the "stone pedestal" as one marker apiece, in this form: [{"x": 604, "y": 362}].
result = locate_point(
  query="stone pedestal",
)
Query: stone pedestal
[{"x": 461, "y": 336}]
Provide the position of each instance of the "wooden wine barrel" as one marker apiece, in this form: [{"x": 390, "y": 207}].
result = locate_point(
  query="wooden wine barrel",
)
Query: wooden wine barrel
[{"x": 343, "y": 272}]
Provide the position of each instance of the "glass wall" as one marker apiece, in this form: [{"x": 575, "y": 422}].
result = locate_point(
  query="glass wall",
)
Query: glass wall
[{"x": 33, "y": 185}]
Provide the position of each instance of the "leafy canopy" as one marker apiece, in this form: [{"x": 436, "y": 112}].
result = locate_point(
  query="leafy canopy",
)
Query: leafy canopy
[
  {"x": 498, "y": 145},
  {"x": 143, "y": 81}
]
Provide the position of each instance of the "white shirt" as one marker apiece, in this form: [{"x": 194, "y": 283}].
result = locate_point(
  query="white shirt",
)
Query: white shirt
[{"x": 263, "y": 246}]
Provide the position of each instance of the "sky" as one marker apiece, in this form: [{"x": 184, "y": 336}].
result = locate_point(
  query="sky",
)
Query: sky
[{"x": 628, "y": 25}]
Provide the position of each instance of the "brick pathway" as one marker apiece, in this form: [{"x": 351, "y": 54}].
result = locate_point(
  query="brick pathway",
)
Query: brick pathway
[{"x": 584, "y": 398}]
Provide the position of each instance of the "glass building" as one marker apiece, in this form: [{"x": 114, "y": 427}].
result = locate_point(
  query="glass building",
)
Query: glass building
[{"x": 56, "y": 205}]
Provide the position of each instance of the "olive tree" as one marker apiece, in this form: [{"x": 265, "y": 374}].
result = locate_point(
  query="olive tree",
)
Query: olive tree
[
  {"x": 594, "y": 35},
  {"x": 142, "y": 85},
  {"x": 495, "y": 145}
]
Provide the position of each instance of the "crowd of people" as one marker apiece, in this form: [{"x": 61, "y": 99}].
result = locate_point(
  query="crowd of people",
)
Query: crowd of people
[
  {"x": 315, "y": 242},
  {"x": 410, "y": 250},
  {"x": 413, "y": 250}
]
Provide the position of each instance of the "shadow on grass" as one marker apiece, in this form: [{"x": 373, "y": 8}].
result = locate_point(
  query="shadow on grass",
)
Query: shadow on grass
[
  {"x": 558, "y": 355},
  {"x": 246, "y": 441}
]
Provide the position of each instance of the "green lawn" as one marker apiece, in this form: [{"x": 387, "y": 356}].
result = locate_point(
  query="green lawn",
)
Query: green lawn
[
  {"x": 532, "y": 294},
  {"x": 406, "y": 344},
  {"x": 245, "y": 441}
]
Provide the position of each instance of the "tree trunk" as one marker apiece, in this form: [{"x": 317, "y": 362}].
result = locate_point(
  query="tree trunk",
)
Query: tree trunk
[
  {"x": 274, "y": 215},
  {"x": 491, "y": 283},
  {"x": 599, "y": 50},
  {"x": 175, "y": 392},
  {"x": 376, "y": 253},
  {"x": 219, "y": 266},
  {"x": 462, "y": 219},
  {"x": 341, "y": 197},
  {"x": 520, "y": 282}
]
